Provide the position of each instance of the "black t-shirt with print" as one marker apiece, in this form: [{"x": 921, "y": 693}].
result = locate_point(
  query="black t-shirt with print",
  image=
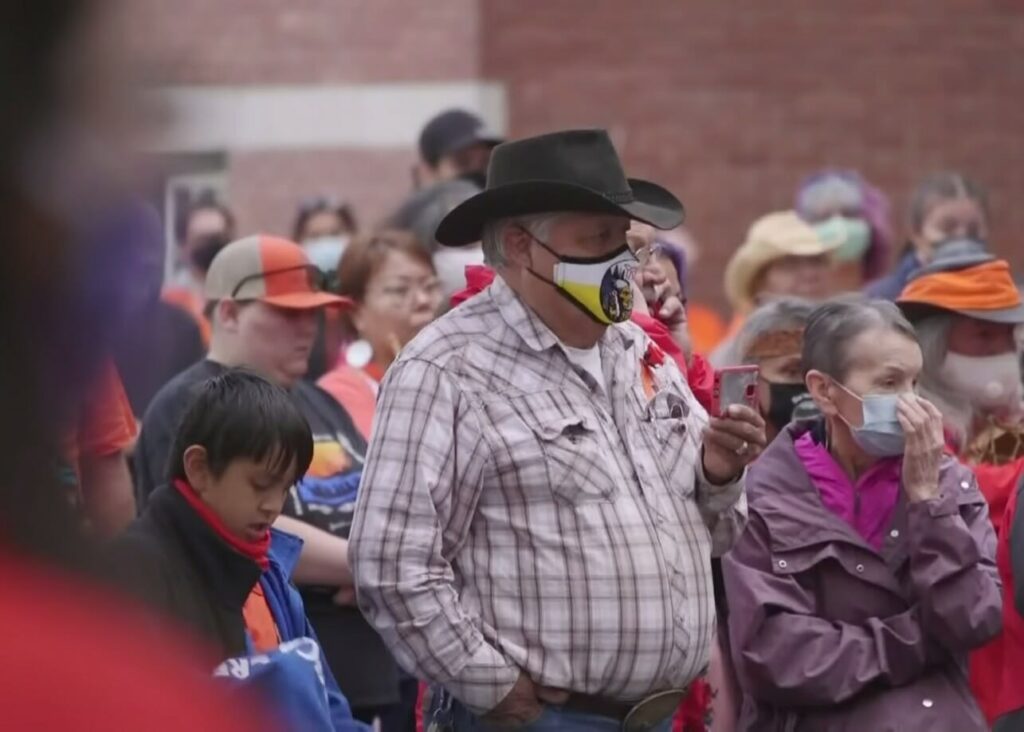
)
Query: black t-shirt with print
[{"x": 325, "y": 498}]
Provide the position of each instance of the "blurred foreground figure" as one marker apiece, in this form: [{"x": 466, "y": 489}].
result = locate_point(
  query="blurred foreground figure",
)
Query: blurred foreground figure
[{"x": 79, "y": 659}]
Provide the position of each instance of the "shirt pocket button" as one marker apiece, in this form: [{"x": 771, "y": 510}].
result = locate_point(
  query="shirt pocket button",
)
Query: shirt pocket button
[{"x": 860, "y": 567}]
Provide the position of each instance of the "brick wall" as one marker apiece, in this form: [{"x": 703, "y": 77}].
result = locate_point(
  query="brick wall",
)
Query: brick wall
[
  {"x": 727, "y": 102},
  {"x": 731, "y": 103}
]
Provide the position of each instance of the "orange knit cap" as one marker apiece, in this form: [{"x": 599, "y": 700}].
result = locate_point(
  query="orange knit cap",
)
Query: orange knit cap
[{"x": 987, "y": 286}]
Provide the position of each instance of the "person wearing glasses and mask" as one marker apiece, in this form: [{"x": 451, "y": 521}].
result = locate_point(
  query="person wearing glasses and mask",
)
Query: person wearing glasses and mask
[
  {"x": 391, "y": 281},
  {"x": 543, "y": 493},
  {"x": 263, "y": 297},
  {"x": 867, "y": 570}
]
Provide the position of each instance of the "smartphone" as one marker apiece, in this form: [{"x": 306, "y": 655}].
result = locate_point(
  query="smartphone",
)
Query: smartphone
[{"x": 734, "y": 385}]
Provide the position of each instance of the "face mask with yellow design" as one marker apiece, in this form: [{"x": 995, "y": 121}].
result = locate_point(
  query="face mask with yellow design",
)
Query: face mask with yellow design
[{"x": 600, "y": 286}]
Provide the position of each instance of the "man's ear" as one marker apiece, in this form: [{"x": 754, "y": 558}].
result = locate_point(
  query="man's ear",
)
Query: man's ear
[
  {"x": 197, "y": 468},
  {"x": 516, "y": 242},
  {"x": 820, "y": 387},
  {"x": 226, "y": 314}
]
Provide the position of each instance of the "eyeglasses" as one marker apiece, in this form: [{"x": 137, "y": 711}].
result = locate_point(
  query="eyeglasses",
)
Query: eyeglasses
[
  {"x": 404, "y": 292},
  {"x": 302, "y": 278}
]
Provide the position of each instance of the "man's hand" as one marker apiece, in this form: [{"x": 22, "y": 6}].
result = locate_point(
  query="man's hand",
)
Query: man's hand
[
  {"x": 345, "y": 597},
  {"x": 521, "y": 706},
  {"x": 731, "y": 442},
  {"x": 922, "y": 426}
]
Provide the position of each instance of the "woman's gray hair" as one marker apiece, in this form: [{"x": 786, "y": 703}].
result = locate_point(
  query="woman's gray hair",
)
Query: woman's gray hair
[
  {"x": 493, "y": 238},
  {"x": 833, "y": 326},
  {"x": 933, "y": 335},
  {"x": 787, "y": 313}
]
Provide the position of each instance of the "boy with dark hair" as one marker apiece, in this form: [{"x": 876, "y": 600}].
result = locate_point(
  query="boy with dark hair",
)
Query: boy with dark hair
[{"x": 204, "y": 554}]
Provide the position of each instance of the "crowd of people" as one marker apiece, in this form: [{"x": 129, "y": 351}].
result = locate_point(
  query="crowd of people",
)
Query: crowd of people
[
  {"x": 475, "y": 466},
  {"x": 484, "y": 442}
]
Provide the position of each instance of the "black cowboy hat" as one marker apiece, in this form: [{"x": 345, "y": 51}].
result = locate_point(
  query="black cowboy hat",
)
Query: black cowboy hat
[{"x": 575, "y": 170}]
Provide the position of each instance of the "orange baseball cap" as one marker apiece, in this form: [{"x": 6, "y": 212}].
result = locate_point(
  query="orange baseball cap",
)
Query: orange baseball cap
[
  {"x": 270, "y": 269},
  {"x": 979, "y": 287}
]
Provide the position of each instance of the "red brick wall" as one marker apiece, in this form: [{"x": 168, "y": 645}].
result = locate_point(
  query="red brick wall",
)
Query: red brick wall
[
  {"x": 312, "y": 41},
  {"x": 730, "y": 104}
]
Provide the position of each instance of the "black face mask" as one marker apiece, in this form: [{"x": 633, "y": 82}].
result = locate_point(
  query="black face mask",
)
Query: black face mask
[
  {"x": 789, "y": 402},
  {"x": 206, "y": 249}
]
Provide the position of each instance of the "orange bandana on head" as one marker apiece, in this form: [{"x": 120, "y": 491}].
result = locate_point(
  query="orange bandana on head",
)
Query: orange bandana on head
[{"x": 986, "y": 286}]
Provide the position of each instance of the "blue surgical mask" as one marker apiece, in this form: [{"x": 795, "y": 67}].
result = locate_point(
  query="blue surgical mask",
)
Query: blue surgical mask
[
  {"x": 881, "y": 434},
  {"x": 852, "y": 236},
  {"x": 325, "y": 252}
]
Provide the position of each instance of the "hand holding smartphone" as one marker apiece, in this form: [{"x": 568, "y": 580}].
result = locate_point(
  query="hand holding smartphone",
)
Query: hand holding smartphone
[{"x": 734, "y": 385}]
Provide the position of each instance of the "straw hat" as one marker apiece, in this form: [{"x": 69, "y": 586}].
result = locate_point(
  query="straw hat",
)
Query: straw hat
[{"x": 770, "y": 238}]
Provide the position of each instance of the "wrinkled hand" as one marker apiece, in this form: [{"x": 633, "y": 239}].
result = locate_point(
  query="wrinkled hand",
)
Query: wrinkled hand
[
  {"x": 922, "y": 426},
  {"x": 521, "y": 706},
  {"x": 731, "y": 442}
]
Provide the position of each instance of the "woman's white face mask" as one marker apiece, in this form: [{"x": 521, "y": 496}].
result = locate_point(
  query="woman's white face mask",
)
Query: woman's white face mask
[{"x": 991, "y": 383}]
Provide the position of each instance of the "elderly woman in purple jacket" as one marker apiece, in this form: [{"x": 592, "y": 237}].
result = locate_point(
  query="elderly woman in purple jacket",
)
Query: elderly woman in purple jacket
[{"x": 867, "y": 570}]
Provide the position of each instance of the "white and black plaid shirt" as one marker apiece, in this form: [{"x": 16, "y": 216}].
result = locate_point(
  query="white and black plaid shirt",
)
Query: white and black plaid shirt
[{"x": 514, "y": 516}]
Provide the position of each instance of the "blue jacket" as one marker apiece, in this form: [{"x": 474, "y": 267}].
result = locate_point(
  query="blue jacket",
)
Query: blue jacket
[
  {"x": 173, "y": 560},
  {"x": 288, "y": 675}
]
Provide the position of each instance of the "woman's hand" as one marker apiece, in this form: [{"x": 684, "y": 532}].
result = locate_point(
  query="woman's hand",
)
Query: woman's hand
[{"x": 922, "y": 426}]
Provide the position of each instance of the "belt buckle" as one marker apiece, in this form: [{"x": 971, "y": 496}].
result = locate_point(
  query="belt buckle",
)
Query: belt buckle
[{"x": 648, "y": 713}]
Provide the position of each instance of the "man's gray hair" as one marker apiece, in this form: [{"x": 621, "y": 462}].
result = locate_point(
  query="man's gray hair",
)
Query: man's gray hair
[
  {"x": 786, "y": 313},
  {"x": 493, "y": 239},
  {"x": 933, "y": 335},
  {"x": 835, "y": 324}
]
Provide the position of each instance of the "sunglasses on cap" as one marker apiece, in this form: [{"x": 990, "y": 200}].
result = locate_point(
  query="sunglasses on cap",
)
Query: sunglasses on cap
[{"x": 286, "y": 280}]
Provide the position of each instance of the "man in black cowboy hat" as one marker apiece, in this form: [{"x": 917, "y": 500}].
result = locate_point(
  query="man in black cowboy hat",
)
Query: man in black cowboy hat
[{"x": 543, "y": 494}]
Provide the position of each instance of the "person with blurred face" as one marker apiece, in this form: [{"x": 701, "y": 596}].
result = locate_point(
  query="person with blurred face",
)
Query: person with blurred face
[
  {"x": 208, "y": 227},
  {"x": 395, "y": 292},
  {"x": 943, "y": 207},
  {"x": 782, "y": 256},
  {"x": 263, "y": 296},
  {"x": 772, "y": 339},
  {"x": 967, "y": 311},
  {"x": 533, "y": 416},
  {"x": 324, "y": 226},
  {"x": 841, "y": 205},
  {"x": 455, "y": 144},
  {"x": 867, "y": 572}
]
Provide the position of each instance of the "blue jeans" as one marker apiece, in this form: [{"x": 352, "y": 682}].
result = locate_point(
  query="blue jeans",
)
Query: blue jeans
[{"x": 554, "y": 719}]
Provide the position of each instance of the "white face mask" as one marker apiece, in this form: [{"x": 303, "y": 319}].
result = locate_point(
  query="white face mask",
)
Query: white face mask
[
  {"x": 991, "y": 383},
  {"x": 325, "y": 252}
]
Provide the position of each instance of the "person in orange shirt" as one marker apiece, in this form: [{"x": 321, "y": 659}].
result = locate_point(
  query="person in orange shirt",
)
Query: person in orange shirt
[
  {"x": 392, "y": 281},
  {"x": 96, "y": 448}
]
